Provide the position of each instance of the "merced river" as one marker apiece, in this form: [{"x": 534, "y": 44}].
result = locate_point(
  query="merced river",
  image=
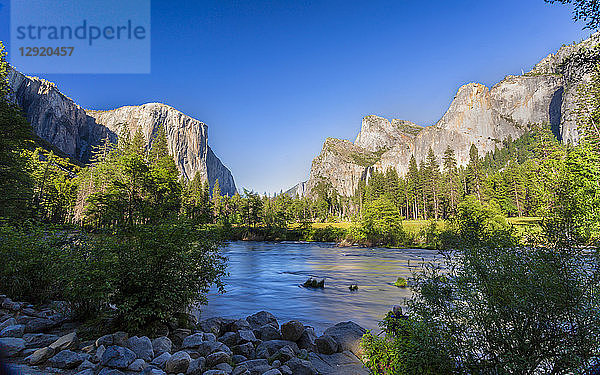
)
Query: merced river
[{"x": 267, "y": 276}]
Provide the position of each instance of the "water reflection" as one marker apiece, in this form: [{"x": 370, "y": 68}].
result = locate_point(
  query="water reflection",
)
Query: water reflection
[{"x": 266, "y": 276}]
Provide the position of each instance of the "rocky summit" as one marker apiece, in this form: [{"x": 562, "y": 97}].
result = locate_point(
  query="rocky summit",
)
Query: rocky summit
[
  {"x": 478, "y": 115},
  {"x": 74, "y": 130}
]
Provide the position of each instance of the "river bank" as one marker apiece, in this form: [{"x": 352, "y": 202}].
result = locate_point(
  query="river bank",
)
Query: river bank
[{"x": 44, "y": 340}]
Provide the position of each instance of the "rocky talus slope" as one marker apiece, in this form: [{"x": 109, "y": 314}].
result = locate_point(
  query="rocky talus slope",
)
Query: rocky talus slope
[
  {"x": 46, "y": 341},
  {"x": 75, "y": 131},
  {"x": 478, "y": 115}
]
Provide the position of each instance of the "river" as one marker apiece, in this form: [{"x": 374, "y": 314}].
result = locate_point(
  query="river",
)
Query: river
[{"x": 267, "y": 276}]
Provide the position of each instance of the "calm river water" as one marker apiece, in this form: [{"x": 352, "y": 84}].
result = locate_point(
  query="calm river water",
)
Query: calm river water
[{"x": 266, "y": 276}]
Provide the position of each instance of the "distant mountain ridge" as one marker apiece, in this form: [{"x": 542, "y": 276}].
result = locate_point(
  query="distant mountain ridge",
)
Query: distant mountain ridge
[
  {"x": 477, "y": 115},
  {"x": 75, "y": 131}
]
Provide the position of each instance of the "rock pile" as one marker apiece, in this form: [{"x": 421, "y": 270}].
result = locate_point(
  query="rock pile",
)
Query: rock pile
[{"x": 252, "y": 346}]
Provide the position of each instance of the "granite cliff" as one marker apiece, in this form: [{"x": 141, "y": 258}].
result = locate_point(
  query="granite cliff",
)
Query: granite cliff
[
  {"x": 75, "y": 131},
  {"x": 478, "y": 115}
]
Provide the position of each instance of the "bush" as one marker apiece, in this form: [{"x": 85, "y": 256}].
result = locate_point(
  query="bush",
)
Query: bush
[{"x": 407, "y": 347}]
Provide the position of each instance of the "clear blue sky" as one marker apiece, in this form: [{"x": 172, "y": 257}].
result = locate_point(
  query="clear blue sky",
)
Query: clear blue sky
[{"x": 273, "y": 79}]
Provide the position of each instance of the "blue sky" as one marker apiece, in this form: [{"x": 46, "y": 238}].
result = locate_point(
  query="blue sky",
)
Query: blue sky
[{"x": 273, "y": 79}]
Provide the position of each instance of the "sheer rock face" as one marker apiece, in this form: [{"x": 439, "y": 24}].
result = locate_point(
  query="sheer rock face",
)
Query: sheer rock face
[
  {"x": 74, "y": 130},
  {"x": 477, "y": 115}
]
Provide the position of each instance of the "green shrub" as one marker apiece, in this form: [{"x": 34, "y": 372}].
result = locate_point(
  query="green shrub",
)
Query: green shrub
[{"x": 401, "y": 282}]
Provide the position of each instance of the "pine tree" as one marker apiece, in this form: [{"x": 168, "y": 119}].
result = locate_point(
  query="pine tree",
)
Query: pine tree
[
  {"x": 474, "y": 173},
  {"x": 451, "y": 173},
  {"x": 413, "y": 185}
]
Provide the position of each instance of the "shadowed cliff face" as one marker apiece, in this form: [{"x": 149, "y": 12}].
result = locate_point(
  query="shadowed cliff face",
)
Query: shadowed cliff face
[
  {"x": 477, "y": 115},
  {"x": 74, "y": 130}
]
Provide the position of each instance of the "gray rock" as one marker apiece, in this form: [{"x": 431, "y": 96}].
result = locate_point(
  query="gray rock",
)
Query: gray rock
[
  {"x": 215, "y": 372},
  {"x": 161, "y": 360},
  {"x": 196, "y": 366},
  {"x": 285, "y": 370},
  {"x": 137, "y": 365},
  {"x": 256, "y": 366},
  {"x": 247, "y": 350},
  {"x": 240, "y": 370},
  {"x": 240, "y": 324},
  {"x": 41, "y": 356},
  {"x": 283, "y": 355},
  {"x": 142, "y": 347},
  {"x": 269, "y": 332},
  {"x": 208, "y": 336},
  {"x": 178, "y": 335},
  {"x": 247, "y": 336},
  {"x": 68, "y": 341},
  {"x": 225, "y": 367},
  {"x": 208, "y": 347},
  {"x": 267, "y": 348},
  {"x": 327, "y": 344},
  {"x": 215, "y": 358},
  {"x": 110, "y": 371},
  {"x": 237, "y": 358},
  {"x": 193, "y": 341},
  {"x": 85, "y": 365},
  {"x": 348, "y": 335},
  {"x": 153, "y": 371},
  {"x": 13, "y": 331},
  {"x": 161, "y": 345},
  {"x": 117, "y": 338},
  {"x": 230, "y": 338},
  {"x": 272, "y": 371},
  {"x": 213, "y": 325},
  {"x": 10, "y": 305},
  {"x": 66, "y": 359},
  {"x": 117, "y": 357},
  {"x": 261, "y": 318},
  {"x": 179, "y": 362},
  {"x": 7, "y": 323},
  {"x": 37, "y": 325},
  {"x": 338, "y": 363},
  {"x": 276, "y": 363},
  {"x": 11, "y": 346},
  {"x": 98, "y": 355},
  {"x": 39, "y": 340},
  {"x": 307, "y": 340},
  {"x": 301, "y": 367},
  {"x": 87, "y": 371},
  {"x": 292, "y": 330}
]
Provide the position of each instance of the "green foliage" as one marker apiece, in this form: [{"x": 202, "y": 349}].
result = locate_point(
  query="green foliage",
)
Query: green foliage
[
  {"x": 401, "y": 282},
  {"x": 408, "y": 347},
  {"x": 381, "y": 224}
]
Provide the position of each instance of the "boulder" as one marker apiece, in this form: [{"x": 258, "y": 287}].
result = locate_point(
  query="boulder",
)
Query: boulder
[
  {"x": 272, "y": 371},
  {"x": 307, "y": 340},
  {"x": 87, "y": 371},
  {"x": 208, "y": 347},
  {"x": 11, "y": 346},
  {"x": 230, "y": 338},
  {"x": 261, "y": 318},
  {"x": 285, "y": 370},
  {"x": 240, "y": 370},
  {"x": 137, "y": 365},
  {"x": 269, "y": 332},
  {"x": 327, "y": 344},
  {"x": 247, "y": 350},
  {"x": 41, "y": 356},
  {"x": 225, "y": 367},
  {"x": 8, "y": 322},
  {"x": 179, "y": 362},
  {"x": 39, "y": 340},
  {"x": 66, "y": 359},
  {"x": 37, "y": 325},
  {"x": 208, "y": 336},
  {"x": 161, "y": 360},
  {"x": 292, "y": 330},
  {"x": 13, "y": 331},
  {"x": 283, "y": 355},
  {"x": 8, "y": 304},
  {"x": 237, "y": 358},
  {"x": 110, "y": 371},
  {"x": 193, "y": 341},
  {"x": 99, "y": 352},
  {"x": 117, "y": 357},
  {"x": 239, "y": 325},
  {"x": 246, "y": 335},
  {"x": 142, "y": 347},
  {"x": 215, "y": 372},
  {"x": 338, "y": 363},
  {"x": 301, "y": 367},
  {"x": 267, "y": 348},
  {"x": 161, "y": 345},
  {"x": 153, "y": 371},
  {"x": 215, "y": 358},
  {"x": 196, "y": 366},
  {"x": 68, "y": 341},
  {"x": 256, "y": 366},
  {"x": 213, "y": 325},
  {"x": 85, "y": 365},
  {"x": 348, "y": 335}
]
